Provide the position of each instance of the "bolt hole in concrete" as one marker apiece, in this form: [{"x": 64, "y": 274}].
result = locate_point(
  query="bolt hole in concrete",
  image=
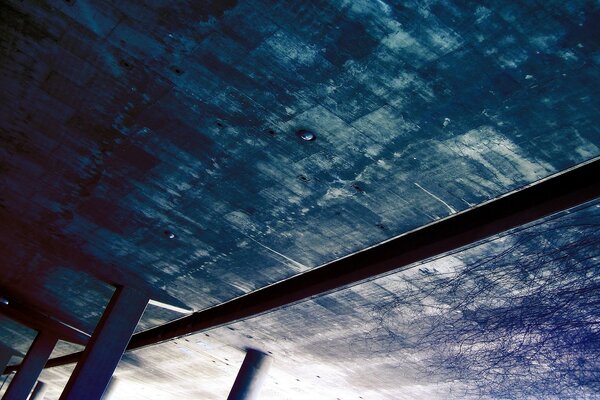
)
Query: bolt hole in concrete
[
  {"x": 357, "y": 188},
  {"x": 271, "y": 132},
  {"x": 125, "y": 64},
  {"x": 306, "y": 135},
  {"x": 177, "y": 70},
  {"x": 303, "y": 178},
  {"x": 220, "y": 125}
]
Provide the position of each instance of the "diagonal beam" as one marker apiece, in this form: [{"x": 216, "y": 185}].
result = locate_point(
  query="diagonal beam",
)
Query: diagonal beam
[{"x": 556, "y": 193}]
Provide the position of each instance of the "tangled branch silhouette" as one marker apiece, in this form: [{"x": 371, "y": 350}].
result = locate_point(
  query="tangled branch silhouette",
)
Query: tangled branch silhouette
[{"x": 519, "y": 318}]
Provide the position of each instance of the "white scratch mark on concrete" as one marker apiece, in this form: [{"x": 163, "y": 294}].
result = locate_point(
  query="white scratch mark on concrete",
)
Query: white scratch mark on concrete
[
  {"x": 279, "y": 254},
  {"x": 452, "y": 210}
]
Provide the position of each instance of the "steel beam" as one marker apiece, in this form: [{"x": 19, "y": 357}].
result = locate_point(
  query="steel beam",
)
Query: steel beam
[
  {"x": 251, "y": 376},
  {"x": 104, "y": 350},
  {"x": 556, "y": 193},
  {"x": 31, "y": 367}
]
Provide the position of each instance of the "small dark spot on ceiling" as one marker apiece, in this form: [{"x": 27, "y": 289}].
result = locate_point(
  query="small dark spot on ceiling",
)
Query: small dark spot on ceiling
[
  {"x": 271, "y": 132},
  {"x": 125, "y": 64},
  {"x": 177, "y": 70},
  {"x": 230, "y": 328},
  {"x": 303, "y": 178},
  {"x": 220, "y": 125},
  {"x": 70, "y": 2},
  {"x": 381, "y": 226},
  {"x": 357, "y": 187},
  {"x": 169, "y": 234}
]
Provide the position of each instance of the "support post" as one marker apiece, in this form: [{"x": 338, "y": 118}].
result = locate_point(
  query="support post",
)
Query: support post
[
  {"x": 106, "y": 346},
  {"x": 39, "y": 391},
  {"x": 31, "y": 367},
  {"x": 252, "y": 373},
  {"x": 110, "y": 389}
]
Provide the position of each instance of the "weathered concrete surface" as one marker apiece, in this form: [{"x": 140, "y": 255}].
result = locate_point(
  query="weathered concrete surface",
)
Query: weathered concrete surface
[{"x": 123, "y": 122}]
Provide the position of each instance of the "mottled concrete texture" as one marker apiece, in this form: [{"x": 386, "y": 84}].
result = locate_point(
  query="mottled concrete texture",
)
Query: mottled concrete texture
[{"x": 152, "y": 144}]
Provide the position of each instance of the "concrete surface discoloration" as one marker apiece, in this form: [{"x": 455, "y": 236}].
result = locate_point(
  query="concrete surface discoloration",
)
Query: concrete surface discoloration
[{"x": 122, "y": 121}]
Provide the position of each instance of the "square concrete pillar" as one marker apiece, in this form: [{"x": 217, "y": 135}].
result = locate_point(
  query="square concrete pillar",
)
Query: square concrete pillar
[
  {"x": 31, "y": 367},
  {"x": 251, "y": 376},
  {"x": 106, "y": 346}
]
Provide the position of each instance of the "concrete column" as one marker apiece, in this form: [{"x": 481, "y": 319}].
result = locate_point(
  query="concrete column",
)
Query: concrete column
[
  {"x": 110, "y": 389},
  {"x": 106, "y": 346},
  {"x": 31, "y": 367},
  {"x": 252, "y": 373},
  {"x": 39, "y": 391}
]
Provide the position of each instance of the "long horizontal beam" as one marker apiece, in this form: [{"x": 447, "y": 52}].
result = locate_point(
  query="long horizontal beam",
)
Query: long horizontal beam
[{"x": 557, "y": 193}]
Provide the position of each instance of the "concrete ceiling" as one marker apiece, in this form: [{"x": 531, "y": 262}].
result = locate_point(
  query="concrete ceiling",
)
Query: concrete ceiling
[{"x": 123, "y": 124}]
